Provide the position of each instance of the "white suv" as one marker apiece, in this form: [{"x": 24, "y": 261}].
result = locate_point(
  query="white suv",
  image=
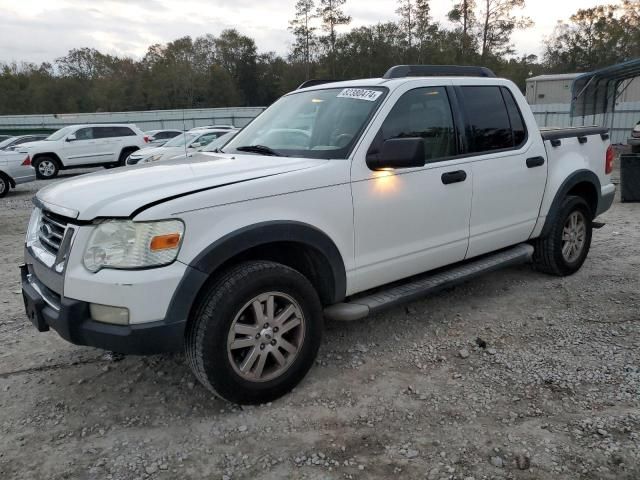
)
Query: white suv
[
  {"x": 78, "y": 146},
  {"x": 338, "y": 201}
]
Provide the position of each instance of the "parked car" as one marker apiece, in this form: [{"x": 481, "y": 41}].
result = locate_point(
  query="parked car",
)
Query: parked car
[
  {"x": 15, "y": 168},
  {"x": 157, "y": 138},
  {"x": 238, "y": 260},
  {"x": 216, "y": 127},
  {"x": 214, "y": 146},
  {"x": 12, "y": 143},
  {"x": 186, "y": 142},
  {"x": 79, "y": 146}
]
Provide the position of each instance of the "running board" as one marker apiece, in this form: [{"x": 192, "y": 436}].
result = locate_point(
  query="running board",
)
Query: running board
[{"x": 419, "y": 287}]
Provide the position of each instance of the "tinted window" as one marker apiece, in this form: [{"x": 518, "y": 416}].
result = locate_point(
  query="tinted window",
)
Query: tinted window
[
  {"x": 123, "y": 132},
  {"x": 515, "y": 116},
  {"x": 488, "y": 121},
  {"x": 110, "y": 132},
  {"x": 426, "y": 113},
  {"x": 84, "y": 134}
]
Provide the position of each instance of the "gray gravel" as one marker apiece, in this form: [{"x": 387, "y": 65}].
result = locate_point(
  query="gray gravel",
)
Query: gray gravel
[{"x": 517, "y": 375}]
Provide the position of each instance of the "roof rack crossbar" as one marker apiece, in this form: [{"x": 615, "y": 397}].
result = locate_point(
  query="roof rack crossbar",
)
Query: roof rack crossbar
[
  {"x": 400, "y": 71},
  {"x": 313, "y": 82}
]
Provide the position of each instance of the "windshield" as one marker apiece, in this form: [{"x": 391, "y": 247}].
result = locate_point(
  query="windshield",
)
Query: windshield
[
  {"x": 8, "y": 141},
  {"x": 219, "y": 142},
  {"x": 181, "y": 140},
  {"x": 313, "y": 124},
  {"x": 63, "y": 132}
]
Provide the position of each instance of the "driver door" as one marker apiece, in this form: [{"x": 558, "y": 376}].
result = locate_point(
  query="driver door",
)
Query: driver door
[{"x": 408, "y": 221}]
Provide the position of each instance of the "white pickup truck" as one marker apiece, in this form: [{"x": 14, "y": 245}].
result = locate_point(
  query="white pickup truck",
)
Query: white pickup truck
[{"x": 340, "y": 200}]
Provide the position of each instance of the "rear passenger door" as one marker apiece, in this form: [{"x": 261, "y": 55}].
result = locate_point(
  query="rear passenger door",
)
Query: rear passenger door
[
  {"x": 509, "y": 168},
  {"x": 412, "y": 220}
]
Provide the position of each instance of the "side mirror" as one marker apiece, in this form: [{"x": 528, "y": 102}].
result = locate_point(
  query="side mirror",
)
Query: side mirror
[
  {"x": 71, "y": 137},
  {"x": 398, "y": 153},
  {"x": 195, "y": 145}
]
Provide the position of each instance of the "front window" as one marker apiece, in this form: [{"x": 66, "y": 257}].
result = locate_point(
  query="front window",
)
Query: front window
[
  {"x": 63, "y": 132},
  {"x": 181, "y": 140},
  {"x": 313, "y": 124}
]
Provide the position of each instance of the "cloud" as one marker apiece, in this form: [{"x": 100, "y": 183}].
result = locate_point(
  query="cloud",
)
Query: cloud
[{"x": 42, "y": 30}]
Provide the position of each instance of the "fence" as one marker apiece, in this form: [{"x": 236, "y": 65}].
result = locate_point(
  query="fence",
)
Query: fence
[
  {"x": 620, "y": 123},
  {"x": 148, "y": 120}
]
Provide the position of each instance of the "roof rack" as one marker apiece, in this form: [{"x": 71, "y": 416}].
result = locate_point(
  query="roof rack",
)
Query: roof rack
[
  {"x": 400, "y": 71},
  {"x": 315, "y": 81}
]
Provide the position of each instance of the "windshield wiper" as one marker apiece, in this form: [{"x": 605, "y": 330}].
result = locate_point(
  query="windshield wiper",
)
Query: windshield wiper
[{"x": 260, "y": 149}]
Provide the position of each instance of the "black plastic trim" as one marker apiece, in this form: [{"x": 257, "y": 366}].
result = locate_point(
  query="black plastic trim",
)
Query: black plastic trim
[
  {"x": 73, "y": 323},
  {"x": 559, "y": 133},
  {"x": 402, "y": 71},
  {"x": 575, "y": 178},
  {"x": 232, "y": 244},
  {"x": 555, "y": 142}
]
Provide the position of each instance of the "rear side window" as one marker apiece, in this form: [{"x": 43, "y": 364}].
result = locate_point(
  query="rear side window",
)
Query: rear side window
[
  {"x": 110, "y": 132},
  {"x": 515, "y": 116},
  {"x": 487, "y": 119}
]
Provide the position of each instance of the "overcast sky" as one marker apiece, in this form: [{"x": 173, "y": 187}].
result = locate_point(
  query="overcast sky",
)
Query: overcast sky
[{"x": 42, "y": 30}]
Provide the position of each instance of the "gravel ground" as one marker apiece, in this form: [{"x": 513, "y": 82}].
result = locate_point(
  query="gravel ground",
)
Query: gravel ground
[{"x": 517, "y": 375}]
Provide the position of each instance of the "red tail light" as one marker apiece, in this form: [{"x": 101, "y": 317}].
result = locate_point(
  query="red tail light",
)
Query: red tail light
[
  {"x": 608, "y": 163},
  {"x": 27, "y": 161},
  {"x": 146, "y": 139}
]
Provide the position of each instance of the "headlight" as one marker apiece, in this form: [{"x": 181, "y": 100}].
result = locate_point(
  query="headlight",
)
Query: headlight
[
  {"x": 124, "y": 244},
  {"x": 34, "y": 225},
  {"x": 152, "y": 158}
]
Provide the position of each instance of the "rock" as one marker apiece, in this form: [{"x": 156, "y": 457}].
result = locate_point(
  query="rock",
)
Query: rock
[
  {"x": 481, "y": 343},
  {"x": 491, "y": 351},
  {"x": 411, "y": 310},
  {"x": 242, "y": 428},
  {"x": 151, "y": 469},
  {"x": 497, "y": 462},
  {"x": 464, "y": 353},
  {"x": 412, "y": 453},
  {"x": 523, "y": 462}
]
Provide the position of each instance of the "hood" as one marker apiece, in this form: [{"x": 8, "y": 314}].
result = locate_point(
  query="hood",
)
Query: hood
[
  {"x": 166, "y": 152},
  {"x": 122, "y": 191},
  {"x": 145, "y": 152},
  {"x": 37, "y": 145}
]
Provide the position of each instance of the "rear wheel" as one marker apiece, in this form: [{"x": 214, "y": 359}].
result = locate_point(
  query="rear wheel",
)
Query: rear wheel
[
  {"x": 122, "y": 159},
  {"x": 256, "y": 333},
  {"x": 564, "y": 250},
  {"x": 4, "y": 186},
  {"x": 46, "y": 168}
]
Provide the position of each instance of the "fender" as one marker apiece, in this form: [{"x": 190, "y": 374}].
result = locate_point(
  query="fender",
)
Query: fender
[
  {"x": 263, "y": 233},
  {"x": 574, "y": 179}
]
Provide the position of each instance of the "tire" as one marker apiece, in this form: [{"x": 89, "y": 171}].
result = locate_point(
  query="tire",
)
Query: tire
[
  {"x": 563, "y": 251},
  {"x": 46, "y": 168},
  {"x": 124, "y": 154},
  {"x": 5, "y": 185},
  {"x": 234, "y": 355}
]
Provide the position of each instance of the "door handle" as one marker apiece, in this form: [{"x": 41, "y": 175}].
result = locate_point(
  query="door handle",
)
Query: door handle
[
  {"x": 454, "y": 177},
  {"x": 535, "y": 162}
]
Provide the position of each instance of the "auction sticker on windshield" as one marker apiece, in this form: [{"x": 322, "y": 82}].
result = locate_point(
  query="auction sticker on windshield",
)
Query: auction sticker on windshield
[{"x": 360, "y": 94}]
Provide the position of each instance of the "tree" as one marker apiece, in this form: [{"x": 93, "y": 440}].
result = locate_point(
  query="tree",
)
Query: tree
[
  {"x": 332, "y": 16},
  {"x": 464, "y": 17},
  {"x": 406, "y": 11},
  {"x": 498, "y": 24},
  {"x": 595, "y": 37},
  {"x": 304, "y": 32}
]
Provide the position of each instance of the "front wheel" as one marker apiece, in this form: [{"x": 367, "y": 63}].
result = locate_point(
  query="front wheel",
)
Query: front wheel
[
  {"x": 563, "y": 251},
  {"x": 46, "y": 168},
  {"x": 4, "y": 186},
  {"x": 256, "y": 332}
]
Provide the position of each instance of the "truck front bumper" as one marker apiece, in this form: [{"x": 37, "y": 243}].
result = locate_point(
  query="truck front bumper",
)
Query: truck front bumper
[{"x": 72, "y": 321}]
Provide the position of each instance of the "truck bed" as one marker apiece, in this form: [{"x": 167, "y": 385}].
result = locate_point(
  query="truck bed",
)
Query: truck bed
[{"x": 572, "y": 132}]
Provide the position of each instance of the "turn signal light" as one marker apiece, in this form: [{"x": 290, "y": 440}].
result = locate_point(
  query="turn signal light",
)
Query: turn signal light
[
  {"x": 27, "y": 161},
  {"x": 609, "y": 159},
  {"x": 165, "y": 242}
]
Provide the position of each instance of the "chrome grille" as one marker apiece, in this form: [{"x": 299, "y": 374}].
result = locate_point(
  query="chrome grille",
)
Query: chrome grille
[{"x": 51, "y": 232}]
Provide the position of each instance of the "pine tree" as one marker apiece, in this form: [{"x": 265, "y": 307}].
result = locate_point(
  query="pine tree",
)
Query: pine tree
[
  {"x": 304, "y": 33},
  {"x": 331, "y": 14}
]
